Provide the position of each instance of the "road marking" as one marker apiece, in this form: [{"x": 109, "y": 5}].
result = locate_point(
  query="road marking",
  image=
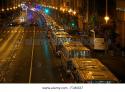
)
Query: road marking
[{"x": 31, "y": 65}]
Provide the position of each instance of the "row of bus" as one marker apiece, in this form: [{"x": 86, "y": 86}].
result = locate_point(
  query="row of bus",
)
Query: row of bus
[{"x": 76, "y": 58}]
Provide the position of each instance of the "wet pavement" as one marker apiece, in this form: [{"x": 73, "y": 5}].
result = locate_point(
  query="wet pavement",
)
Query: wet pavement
[
  {"x": 45, "y": 65},
  {"x": 26, "y": 56}
]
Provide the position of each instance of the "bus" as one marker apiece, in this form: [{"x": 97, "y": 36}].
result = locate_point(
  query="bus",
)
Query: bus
[
  {"x": 90, "y": 70},
  {"x": 72, "y": 50},
  {"x": 53, "y": 27},
  {"x": 57, "y": 41},
  {"x": 55, "y": 31}
]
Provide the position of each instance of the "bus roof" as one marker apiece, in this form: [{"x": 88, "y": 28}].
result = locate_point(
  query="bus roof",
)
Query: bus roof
[
  {"x": 82, "y": 48},
  {"x": 81, "y": 63},
  {"x": 97, "y": 75},
  {"x": 70, "y": 46},
  {"x": 73, "y": 44},
  {"x": 61, "y": 32},
  {"x": 76, "y": 48},
  {"x": 92, "y": 69},
  {"x": 63, "y": 36}
]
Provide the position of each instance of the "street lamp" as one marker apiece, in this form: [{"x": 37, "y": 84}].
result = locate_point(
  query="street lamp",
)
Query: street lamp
[
  {"x": 70, "y": 10},
  {"x": 3, "y": 10},
  {"x": 106, "y": 16},
  {"x": 10, "y": 8},
  {"x": 7, "y": 9},
  {"x": 74, "y": 12},
  {"x": 14, "y": 7}
]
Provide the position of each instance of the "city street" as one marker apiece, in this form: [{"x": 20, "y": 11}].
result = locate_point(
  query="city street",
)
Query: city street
[
  {"x": 26, "y": 53},
  {"x": 28, "y": 57}
]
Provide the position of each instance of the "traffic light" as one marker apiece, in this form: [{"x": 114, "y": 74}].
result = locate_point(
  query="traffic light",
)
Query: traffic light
[
  {"x": 72, "y": 24},
  {"x": 46, "y": 11}
]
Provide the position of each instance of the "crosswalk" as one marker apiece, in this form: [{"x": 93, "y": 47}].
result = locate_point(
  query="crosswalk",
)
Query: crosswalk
[{"x": 22, "y": 31}]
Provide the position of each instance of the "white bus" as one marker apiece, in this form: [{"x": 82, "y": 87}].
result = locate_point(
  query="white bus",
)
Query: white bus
[
  {"x": 57, "y": 41},
  {"x": 89, "y": 70},
  {"x": 72, "y": 50}
]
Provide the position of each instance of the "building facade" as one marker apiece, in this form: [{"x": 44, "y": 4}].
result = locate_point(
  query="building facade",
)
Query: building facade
[{"x": 121, "y": 22}]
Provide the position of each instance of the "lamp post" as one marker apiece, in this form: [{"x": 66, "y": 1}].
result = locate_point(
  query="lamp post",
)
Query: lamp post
[
  {"x": 106, "y": 16},
  {"x": 2, "y": 7},
  {"x": 87, "y": 14}
]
